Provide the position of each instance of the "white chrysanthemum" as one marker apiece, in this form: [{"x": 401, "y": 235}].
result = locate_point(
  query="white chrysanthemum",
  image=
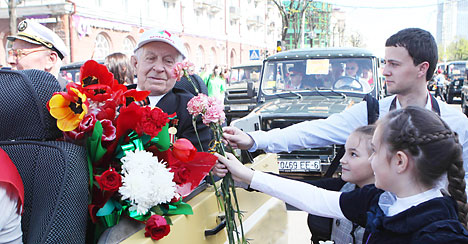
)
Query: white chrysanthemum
[{"x": 146, "y": 182}]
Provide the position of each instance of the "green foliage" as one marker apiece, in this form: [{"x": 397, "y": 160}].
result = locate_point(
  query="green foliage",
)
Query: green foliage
[{"x": 457, "y": 50}]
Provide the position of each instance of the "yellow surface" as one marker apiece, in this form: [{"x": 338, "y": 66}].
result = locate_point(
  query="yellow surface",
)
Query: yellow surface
[{"x": 265, "y": 218}]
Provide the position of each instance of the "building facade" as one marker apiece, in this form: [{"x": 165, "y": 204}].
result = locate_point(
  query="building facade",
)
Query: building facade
[
  {"x": 214, "y": 31},
  {"x": 452, "y": 19}
]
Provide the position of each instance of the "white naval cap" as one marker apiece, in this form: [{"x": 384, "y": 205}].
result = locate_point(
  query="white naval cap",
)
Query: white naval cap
[
  {"x": 158, "y": 35},
  {"x": 33, "y": 32}
]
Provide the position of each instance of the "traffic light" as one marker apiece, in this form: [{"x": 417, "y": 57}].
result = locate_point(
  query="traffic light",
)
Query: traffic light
[{"x": 278, "y": 46}]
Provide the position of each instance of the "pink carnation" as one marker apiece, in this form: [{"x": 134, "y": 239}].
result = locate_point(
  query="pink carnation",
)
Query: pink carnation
[
  {"x": 197, "y": 104},
  {"x": 188, "y": 67},
  {"x": 178, "y": 71},
  {"x": 213, "y": 115},
  {"x": 214, "y": 112},
  {"x": 181, "y": 69}
]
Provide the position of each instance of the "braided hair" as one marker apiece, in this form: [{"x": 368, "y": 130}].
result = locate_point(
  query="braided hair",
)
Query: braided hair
[{"x": 434, "y": 147}]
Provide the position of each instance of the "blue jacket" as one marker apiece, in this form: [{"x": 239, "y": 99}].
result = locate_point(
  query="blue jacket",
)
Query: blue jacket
[{"x": 434, "y": 221}]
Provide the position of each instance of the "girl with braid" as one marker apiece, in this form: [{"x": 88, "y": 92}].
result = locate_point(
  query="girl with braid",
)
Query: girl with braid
[{"x": 412, "y": 150}]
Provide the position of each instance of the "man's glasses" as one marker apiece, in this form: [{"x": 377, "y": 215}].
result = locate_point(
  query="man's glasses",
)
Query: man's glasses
[
  {"x": 20, "y": 53},
  {"x": 351, "y": 68}
]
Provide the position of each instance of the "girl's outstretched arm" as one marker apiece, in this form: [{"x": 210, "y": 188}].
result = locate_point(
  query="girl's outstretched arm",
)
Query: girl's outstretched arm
[{"x": 301, "y": 195}]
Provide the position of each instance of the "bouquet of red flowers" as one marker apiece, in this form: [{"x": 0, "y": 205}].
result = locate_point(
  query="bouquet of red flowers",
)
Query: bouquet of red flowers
[{"x": 137, "y": 169}]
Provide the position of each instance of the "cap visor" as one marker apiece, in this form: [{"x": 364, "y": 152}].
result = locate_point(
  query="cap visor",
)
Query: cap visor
[{"x": 13, "y": 38}]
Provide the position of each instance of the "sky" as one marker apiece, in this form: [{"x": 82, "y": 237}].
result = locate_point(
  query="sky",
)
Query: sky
[{"x": 376, "y": 20}]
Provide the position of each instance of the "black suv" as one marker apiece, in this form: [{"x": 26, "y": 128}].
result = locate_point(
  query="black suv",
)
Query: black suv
[
  {"x": 331, "y": 79},
  {"x": 241, "y": 91},
  {"x": 455, "y": 73}
]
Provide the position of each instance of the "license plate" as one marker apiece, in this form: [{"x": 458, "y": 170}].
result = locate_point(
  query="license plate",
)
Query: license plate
[
  {"x": 299, "y": 165},
  {"x": 239, "y": 107}
]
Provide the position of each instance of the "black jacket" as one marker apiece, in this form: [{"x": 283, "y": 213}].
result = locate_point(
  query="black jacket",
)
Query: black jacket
[
  {"x": 433, "y": 221},
  {"x": 185, "y": 84}
]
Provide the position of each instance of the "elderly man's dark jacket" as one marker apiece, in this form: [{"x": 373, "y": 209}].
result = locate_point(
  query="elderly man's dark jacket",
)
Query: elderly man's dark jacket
[
  {"x": 185, "y": 84},
  {"x": 175, "y": 101}
]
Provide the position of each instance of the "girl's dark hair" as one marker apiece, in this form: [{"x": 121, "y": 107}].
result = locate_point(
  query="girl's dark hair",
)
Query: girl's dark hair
[
  {"x": 434, "y": 147},
  {"x": 367, "y": 131},
  {"x": 119, "y": 65},
  {"x": 214, "y": 74}
]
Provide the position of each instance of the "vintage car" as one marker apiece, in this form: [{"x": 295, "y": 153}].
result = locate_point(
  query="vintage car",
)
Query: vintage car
[
  {"x": 332, "y": 80},
  {"x": 241, "y": 91},
  {"x": 455, "y": 73}
]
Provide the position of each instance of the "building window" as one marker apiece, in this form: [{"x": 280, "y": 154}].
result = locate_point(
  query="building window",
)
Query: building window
[
  {"x": 213, "y": 58},
  {"x": 200, "y": 56},
  {"x": 188, "y": 50},
  {"x": 232, "y": 58},
  {"x": 128, "y": 46},
  {"x": 102, "y": 47}
]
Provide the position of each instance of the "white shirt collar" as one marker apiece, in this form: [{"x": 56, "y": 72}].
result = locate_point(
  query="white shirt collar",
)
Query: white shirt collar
[
  {"x": 392, "y": 205},
  {"x": 428, "y": 102},
  {"x": 153, "y": 99}
]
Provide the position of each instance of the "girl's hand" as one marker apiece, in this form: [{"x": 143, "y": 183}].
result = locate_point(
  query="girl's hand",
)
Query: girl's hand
[
  {"x": 230, "y": 163},
  {"x": 237, "y": 138}
]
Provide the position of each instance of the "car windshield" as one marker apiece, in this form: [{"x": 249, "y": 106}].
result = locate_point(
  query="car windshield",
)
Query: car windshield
[
  {"x": 341, "y": 74},
  {"x": 457, "y": 70},
  {"x": 244, "y": 74}
]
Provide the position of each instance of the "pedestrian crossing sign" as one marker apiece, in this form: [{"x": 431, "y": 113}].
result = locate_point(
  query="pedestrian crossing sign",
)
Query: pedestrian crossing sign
[{"x": 254, "y": 54}]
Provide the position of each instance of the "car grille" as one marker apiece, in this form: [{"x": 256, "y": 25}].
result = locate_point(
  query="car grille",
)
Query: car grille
[
  {"x": 238, "y": 96},
  {"x": 324, "y": 154}
]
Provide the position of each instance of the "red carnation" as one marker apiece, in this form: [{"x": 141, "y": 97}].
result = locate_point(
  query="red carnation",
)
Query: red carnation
[
  {"x": 152, "y": 121},
  {"x": 181, "y": 175},
  {"x": 156, "y": 227},
  {"x": 110, "y": 180}
]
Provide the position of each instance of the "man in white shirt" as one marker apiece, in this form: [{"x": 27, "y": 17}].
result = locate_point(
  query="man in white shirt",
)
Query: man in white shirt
[
  {"x": 440, "y": 82},
  {"x": 411, "y": 58}
]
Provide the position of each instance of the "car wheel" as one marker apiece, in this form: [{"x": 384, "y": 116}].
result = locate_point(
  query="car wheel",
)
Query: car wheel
[
  {"x": 449, "y": 98},
  {"x": 464, "y": 106}
]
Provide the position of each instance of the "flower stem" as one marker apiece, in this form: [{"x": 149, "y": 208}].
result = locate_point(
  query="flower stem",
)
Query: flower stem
[
  {"x": 194, "y": 124},
  {"x": 229, "y": 192},
  {"x": 191, "y": 82}
]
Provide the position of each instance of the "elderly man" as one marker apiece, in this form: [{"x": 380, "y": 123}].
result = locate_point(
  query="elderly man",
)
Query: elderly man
[
  {"x": 155, "y": 56},
  {"x": 36, "y": 47}
]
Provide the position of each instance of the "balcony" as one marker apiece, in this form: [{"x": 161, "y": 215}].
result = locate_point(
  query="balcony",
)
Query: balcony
[
  {"x": 255, "y": 21},
  {"x": 201, "y": 4},
  {"x": 234, "y": 13},
  {"x": 215, "y": 6},
  {"x": 251, "y": 21}
]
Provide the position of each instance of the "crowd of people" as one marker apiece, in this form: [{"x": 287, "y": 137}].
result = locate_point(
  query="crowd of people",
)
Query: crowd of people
[{"x": 403, "y": 179}]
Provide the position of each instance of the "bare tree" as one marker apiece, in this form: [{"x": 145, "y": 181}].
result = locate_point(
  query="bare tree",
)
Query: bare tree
[
  {"x": 356, "y": 39},
  {"x": 292, "y": 16},
  {"x": 12, "y": 15}
]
